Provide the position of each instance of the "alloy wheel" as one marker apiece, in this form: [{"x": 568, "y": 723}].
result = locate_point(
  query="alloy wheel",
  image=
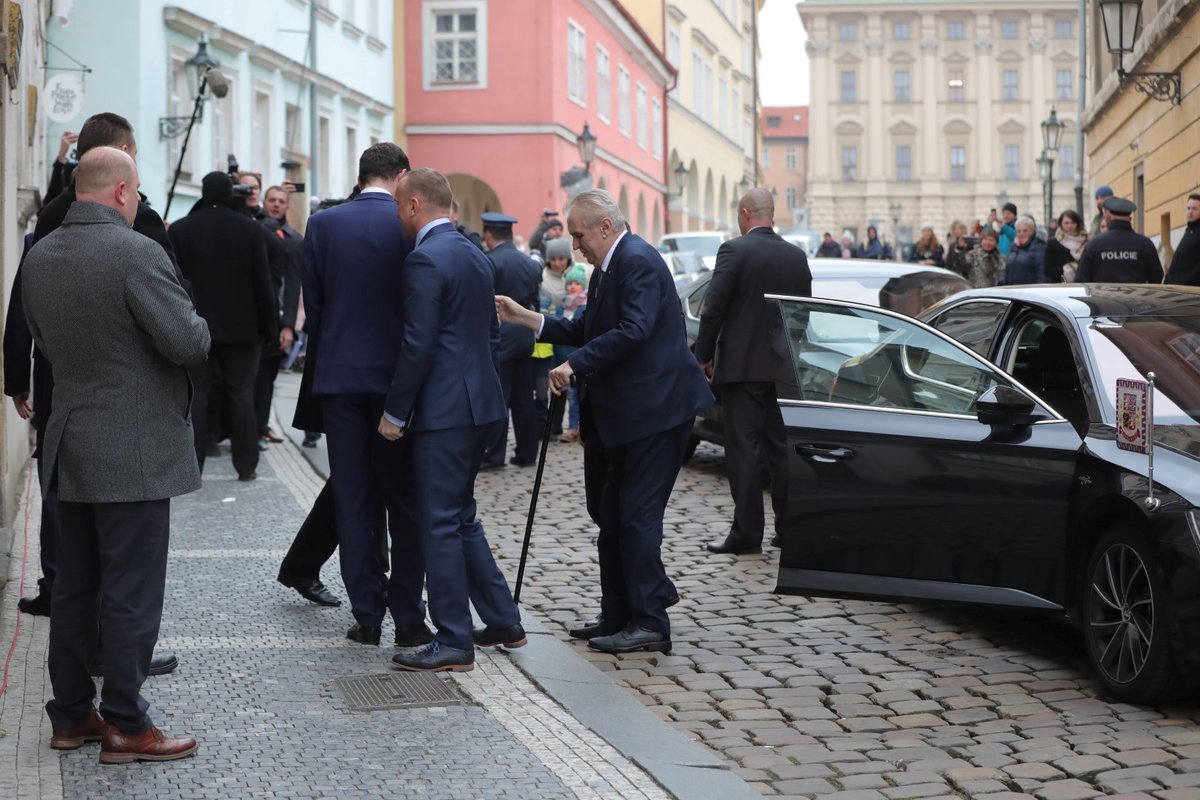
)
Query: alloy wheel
[{"x": 1121, "y": 620}]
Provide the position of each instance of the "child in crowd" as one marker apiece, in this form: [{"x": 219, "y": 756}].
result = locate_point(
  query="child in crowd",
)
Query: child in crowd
[{"x": 574, "y": 303}]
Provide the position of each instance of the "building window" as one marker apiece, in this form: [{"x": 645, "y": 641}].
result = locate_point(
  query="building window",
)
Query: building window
[
  {"x": 1063, "y": 29},
  {"x": 792, "y": 197},
  {"x": 1064, "y": 86},
  {"x": 958, "y": 162},
  {"x": 709, "y": 105},
  {"x": 1012, "y": 162},
  {"x": 850, "y": 163},
  {"x": 1066, "y": 163},
  {"x": 656, "y": 128},
  {"x": 624, "y": 121},
  {"x": 773, "y": 121},
  {"x": 225, "y": 124},
  {"x": 603, "y": 84},
  {"x": 643, "y": 132},
  {"x": 1008, "y": 29},
  {"x": 457, "y": 31},
  {"x": 901, "y": 31},
  {"x": 324, "y": 183},
  {"x": 956, "y": 30},
  {"x": 735, "y": 104},
  {"x": 292, "y": 127},
  {"x": 1010, "y": 88},
  {"x": 902, "y": 86},
  {"x": 789, "y": 157},
  {"x": 262, "y": 131},
  {"x": 352, "y": 154},
  {"x": 576, "y": 63},
  {"x": 904, "y": 162},
  {"x": 674, "y": 47},
  {"x": 723, "y": 104},
  {"x": 179, "y": 104},
  {"x": 849, "y": 92},
  {"x": 848, "y": 31},
  {"x": 766, "y": 157},
  {"x": 956, "y": 85},
  {"x": 697, "y": 83}
]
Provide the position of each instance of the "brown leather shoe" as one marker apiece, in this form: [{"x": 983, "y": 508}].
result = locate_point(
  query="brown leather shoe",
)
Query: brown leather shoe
[
  {"x": 92, "y": 730},
  {"x": 153, "y": 745}
]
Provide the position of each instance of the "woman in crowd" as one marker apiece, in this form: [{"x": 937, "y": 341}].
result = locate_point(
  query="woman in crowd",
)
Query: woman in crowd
[
  {"x": 926, "y": 249},
  {"x": 1026, "y": 257},
  {"x": 1065, "y": 248}
]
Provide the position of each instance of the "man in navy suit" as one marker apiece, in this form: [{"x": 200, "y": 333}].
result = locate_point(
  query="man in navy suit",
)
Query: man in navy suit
[
  {"x": 443, "y": 399},
  {"x": 641, "y": 390},
  {"x": 354, "y": 304}
]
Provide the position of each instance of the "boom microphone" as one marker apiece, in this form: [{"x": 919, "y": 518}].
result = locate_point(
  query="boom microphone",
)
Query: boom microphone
[{"x": 217, "y": 82}]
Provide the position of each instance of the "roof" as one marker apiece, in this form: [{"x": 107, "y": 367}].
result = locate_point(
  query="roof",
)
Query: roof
[
  {"x": 1116, "y": 300},
  {"x": 793, "y": 122}
]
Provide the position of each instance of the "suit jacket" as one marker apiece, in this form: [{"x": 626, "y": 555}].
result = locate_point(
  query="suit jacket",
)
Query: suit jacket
[
  {"x": 516, "y": 277},
  {"x": 445, "y": 375},
  {"x": 224, "y": 255},
  {"x": 104, "y": 305},
  {"x": 635, "y": 372},
  {"x": 352, "y": 295},
  {"x": 733, "y": 323}
]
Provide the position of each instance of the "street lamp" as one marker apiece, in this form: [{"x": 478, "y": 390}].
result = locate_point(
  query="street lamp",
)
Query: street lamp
[
  {"x": 203, "y": 74},
  {"x": 1046, "y": 170},
  {"x": 1122, "y": 21},
  {"x": 1052, "y": 131},
  {"x": 895, "y": 210},
  {"x": 681, "y": 175},
  {"x": 587, "y": 147}
]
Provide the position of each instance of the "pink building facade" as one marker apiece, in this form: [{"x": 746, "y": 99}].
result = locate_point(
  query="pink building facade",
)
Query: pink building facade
[{"x": 497, "y": 93}]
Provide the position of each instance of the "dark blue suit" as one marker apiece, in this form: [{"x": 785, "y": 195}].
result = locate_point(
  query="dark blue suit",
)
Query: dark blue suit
[
  {"x": 519, "y": 278},
  {"x": 447, "y": 391},
  {"x": 640, "y": 391},
  {"x": 354, "y": 302}
]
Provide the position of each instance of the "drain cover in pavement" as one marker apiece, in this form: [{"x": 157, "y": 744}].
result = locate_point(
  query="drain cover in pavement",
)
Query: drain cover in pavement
[{"x": 382, "y": 691}]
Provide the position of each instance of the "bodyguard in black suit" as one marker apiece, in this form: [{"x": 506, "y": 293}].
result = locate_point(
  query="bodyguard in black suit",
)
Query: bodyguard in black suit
[
  {"x": 640, "y": 392},
  {"x": 224, "y": 255},
  {"x": 734, "y": 332},
  {"x": 516, "y": 277}
]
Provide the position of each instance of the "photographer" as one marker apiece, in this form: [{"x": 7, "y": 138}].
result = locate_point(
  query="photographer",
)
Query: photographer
[
  {"x": 224, "y": 255},
  {"x": 285, "y": 282},
  {"x": 549, "y": 220}
]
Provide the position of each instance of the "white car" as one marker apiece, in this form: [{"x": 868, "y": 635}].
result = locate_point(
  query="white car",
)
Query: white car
[{"x": 703, "y": 242}]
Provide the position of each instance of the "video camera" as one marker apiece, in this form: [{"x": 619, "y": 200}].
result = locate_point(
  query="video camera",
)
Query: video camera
[{"x": 239, "y": 189}]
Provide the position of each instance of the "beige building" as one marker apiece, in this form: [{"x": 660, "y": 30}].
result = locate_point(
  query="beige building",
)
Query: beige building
[
  {"x": 934, "y": 109},
  {"x": 712, "y": 111},
  {"x": 1148, "y": 149},
  {"x": 784, "y": 162}
]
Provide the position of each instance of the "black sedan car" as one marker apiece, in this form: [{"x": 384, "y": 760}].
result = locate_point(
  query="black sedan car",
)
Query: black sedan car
[
  {"x": 907, "y": 288},
  {"x": 974, "y": 459}
]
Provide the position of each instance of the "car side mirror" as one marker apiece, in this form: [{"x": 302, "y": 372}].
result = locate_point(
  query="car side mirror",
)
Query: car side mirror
[{"x": 1004, "y": 405}]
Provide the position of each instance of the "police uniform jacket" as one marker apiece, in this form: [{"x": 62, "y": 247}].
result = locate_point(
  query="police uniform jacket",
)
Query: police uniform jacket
[
  {"x": 1120, "y": 255},
  {"x": 516, "y": 277}
]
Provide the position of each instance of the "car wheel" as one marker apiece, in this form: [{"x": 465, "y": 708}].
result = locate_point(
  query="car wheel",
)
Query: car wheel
[
  {"x": 1125, "y": 617},
  {"x": 690, "y": 450}
]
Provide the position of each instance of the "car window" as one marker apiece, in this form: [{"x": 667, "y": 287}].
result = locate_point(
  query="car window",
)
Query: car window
[
  {"x": 863, "y": 357},
  {"x": 695, "y": 300},
  {"x": 973, "y": 324},
  {"x": 702, "y": 243}
]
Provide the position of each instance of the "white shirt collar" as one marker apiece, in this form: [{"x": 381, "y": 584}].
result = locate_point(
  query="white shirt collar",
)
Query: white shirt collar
[
  {"x": 375, "y": 190},
  {"x": 611, "y": 250},
  {"x": 428, "y": 226}
]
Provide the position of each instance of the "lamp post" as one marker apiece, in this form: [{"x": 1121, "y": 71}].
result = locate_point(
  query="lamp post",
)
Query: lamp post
[
  {"x": 587, "y": 147},
  {"x": 576, "y": 179},
  {"x": 1052, "y": 131},
  {"x": 1046, "y": 172},
  {"x": 203, "y": 74},
  {"x": 1122, "y": 21},
  {"x": 895, "y": 209},
  {"x": 681, "y": 176}
]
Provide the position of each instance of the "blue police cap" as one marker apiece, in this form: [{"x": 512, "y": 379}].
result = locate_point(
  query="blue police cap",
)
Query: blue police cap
[
  {"x": 1120, "y": 206},
  {"x": 494, "y": 219}
]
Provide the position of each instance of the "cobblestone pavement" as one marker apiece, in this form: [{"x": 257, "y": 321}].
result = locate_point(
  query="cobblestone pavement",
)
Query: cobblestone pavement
[
  {"x": 811, "y": 697},
  {"x": 256, "y": 686}
]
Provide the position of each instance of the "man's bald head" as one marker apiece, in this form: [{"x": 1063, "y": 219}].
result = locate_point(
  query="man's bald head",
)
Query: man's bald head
[
  {"x": 108, "y": 176},
  {"x": 757, "y": 207}
]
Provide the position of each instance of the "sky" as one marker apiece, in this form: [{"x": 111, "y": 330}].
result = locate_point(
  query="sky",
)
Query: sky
[{"x": 783, "y": 71}]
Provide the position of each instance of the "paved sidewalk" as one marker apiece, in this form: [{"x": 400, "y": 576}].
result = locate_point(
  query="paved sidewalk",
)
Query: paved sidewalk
[{"x": 256, "y": 686}]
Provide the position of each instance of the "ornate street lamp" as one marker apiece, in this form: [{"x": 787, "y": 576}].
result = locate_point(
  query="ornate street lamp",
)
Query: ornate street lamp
[
  {"x": 1122, "y": 22},
  {"x": 895, "y": 209},
  {"x": 1052, "y": 131},
  {"x": 681, "y": 175},
  {"x": 587, "y": 147},
  {"x": 1046, "y": 171}
]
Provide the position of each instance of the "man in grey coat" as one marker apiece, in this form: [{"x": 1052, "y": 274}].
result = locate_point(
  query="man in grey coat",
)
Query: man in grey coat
[{"x": 104, "y": 305}]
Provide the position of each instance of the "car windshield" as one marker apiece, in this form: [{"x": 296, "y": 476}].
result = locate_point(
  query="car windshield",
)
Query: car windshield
[
  {"x": 1169, "y": 347},
  {"x": 908, "y": 294},
  {"x": 704, "y": 244}
]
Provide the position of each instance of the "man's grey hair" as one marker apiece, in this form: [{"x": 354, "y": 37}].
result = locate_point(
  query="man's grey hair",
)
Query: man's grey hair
[
  {"x": 595, "y": 205},
  {"x": 1025, "y": 219}
]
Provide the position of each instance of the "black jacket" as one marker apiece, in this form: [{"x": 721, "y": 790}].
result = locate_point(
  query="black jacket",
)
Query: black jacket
[
  {"x": 1185, "y": 264},
  {"x": 285, "y": 268},
  {"x": 519, "y": 278},
  {"x": 224, "y": 255},
  {"x": 1119, "y": 255},
  {"x": 733, "y": 325}
]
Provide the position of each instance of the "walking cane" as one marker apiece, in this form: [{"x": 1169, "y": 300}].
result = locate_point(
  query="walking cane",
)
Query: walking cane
[{"x": 556, "y": 401}]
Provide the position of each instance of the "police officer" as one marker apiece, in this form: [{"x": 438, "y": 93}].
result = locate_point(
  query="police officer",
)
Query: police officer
[
  {"x": 1119, "y": 255},
  {"x": 516, "y": 277}
]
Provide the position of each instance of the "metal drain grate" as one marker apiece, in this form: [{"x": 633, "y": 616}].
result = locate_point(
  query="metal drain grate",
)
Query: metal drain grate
[{"x": 383, "y": 691}]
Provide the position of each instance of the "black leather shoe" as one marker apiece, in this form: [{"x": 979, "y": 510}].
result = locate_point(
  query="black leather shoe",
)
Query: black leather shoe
[
  {"x": 632, "y": 639},
  {"x": 511, "y": 637},
  {"x": 435, "y": 657},
  {"x": 734, "y": 545},
  {"x": 310, "y": 589},
  {"x": 673, "y": 600},
  {"x": 37, "y": 606},
  {"x": 522, "y": 462},
  {"x": 160, "y": 664},
  {"x": 248, "y": 476},
  {"x": 413, "y": 635},
  {"x": 776, "y": 541},
  {"x": 358, "y": 633},
  {"x": 596, "y": 627}
]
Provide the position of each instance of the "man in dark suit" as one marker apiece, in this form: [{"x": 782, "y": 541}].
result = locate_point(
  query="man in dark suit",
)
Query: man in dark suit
[
  {"x": 443, "y": 399},
  {"x": 640, "y": 392},
  {"x": 516, "y": 277},
  {"x": 21, "y": 354},
  {"x": 354, "y": 304},
  {"x": 734, "y": 331},
  {"x": 224, "y": 255},
  {"x": 115, "y": 471},
  {"x": 285, "y": 283}
]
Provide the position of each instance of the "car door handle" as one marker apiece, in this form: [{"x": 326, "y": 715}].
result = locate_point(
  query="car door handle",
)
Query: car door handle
[{"x": 823, "y": 453}]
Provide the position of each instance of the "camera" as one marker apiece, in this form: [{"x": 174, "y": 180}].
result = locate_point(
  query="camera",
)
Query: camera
[
  {"x": 972, "y": 241},
  {"x": 243, "y": 189},
  {"x": 233, "y": 165},
  {"x": 299, "y": 186}
]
